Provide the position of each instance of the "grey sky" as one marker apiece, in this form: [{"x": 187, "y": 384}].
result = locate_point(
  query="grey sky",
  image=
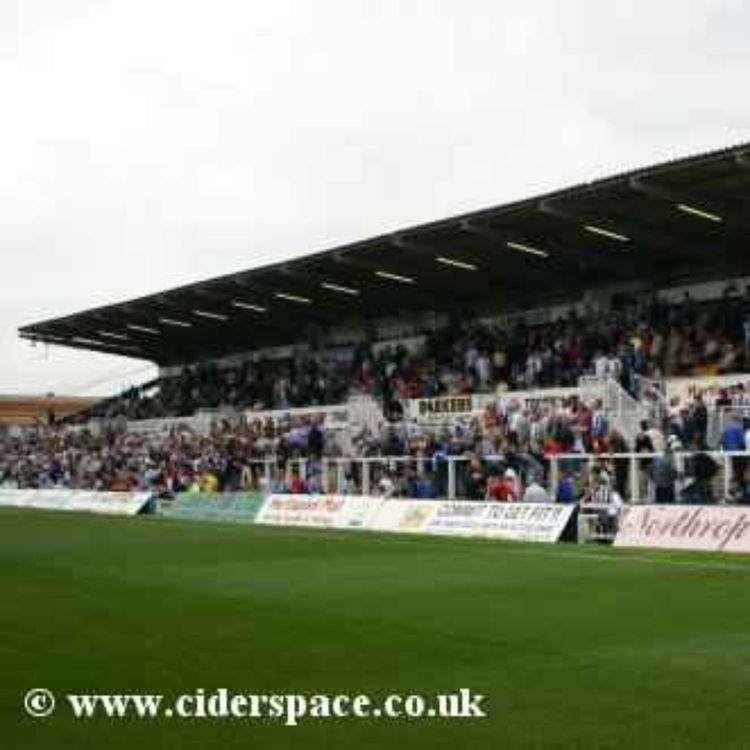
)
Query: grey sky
[{"x": 148, "y": 143}]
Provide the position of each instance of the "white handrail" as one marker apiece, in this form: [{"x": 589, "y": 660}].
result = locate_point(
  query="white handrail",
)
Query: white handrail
[{"x": 333, "y": 470}]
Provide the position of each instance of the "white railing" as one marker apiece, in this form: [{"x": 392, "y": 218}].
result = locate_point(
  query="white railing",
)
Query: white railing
[
  {"x": 365, "y": 412},
  {"x": 334, "y": 418},
  {"x": 200, "y": 424},
  {"x": 620, "y": 408},
  {"x": 630, "y": 474},
  {"x": 633, "y": 472}
]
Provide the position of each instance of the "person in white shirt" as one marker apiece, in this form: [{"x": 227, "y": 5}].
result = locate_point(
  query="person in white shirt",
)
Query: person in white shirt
[
  {"x": 533, "y": 369},
  {"x": 514, "y": 480},
  {"x": 518, "y": 425},
  {"x": 386, "y": 486},
  {"x": 601, "y": 366},
  {"x": 535, "y": 493},
  {"x": 657, "y": 439},
  {"x": 483, "y": 371}
]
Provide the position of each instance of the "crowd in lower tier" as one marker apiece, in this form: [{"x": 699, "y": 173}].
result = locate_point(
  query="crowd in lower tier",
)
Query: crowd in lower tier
[{"x": 502, "y": 454}]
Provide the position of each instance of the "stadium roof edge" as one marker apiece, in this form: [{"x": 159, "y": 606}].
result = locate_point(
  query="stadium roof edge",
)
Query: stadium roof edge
[{"x": 573, "y": 229}]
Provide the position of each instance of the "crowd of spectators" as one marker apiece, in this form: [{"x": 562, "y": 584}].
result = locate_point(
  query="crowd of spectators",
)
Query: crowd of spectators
[
  {"x": 231, "y": 457},
  {"x": 504, "y": 450},
  {"x": 504, "y": 454},
  {"x": 306, "y": 380},
  {"x": 635, "y": 339}
]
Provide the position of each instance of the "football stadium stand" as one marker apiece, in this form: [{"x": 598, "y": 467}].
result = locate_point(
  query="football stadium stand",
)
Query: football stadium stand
[{"x": 585, "y": 345}]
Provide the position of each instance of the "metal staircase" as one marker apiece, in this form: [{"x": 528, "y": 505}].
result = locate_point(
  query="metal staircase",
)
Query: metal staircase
[
  {"x": 365, "y": 413},
  {"x": 622, "y": 411}
]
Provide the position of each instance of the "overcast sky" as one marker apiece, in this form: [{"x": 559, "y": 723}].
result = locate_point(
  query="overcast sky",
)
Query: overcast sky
[{"x": 150, "y": 143}]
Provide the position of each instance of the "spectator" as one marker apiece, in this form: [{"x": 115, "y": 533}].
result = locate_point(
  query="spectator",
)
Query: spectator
[
  {"x": 698, "y": 415},
  {"x": 386, "y": 486},
  {"x": 664, "y": 475},
  {"x": 618, "y": 444},
  {"x": 700, "y": 470},
  {"x": 566, "y": 490},
  {"x": 535, "y": 493}
]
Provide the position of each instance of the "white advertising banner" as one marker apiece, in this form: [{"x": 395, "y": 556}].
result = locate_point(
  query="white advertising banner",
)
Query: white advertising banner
[
  {"x": 514, "y": 521},
  {"x": 530, "y": 522},
  {"x": 359, "y": 512},
  {"x": 713, "y": 528},
  {"x": 458, "y": 518},
  {"x": 321, "y": 511},
  {"x": 15, "y": 498},
  {"x": 523, "y": 522},
  {"x": 440, "y": 409},
  {"x": 406, "y": 516},
  {"x": 108, "y": 503},
  {"x": 449, "y": 408}
]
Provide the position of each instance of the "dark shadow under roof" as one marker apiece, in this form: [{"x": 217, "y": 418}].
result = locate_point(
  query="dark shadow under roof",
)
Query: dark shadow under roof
[{"x": 682, "y": 221}]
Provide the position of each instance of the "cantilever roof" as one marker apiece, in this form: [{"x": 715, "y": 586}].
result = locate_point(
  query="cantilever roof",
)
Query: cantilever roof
[{"x": 684, "y": 220}]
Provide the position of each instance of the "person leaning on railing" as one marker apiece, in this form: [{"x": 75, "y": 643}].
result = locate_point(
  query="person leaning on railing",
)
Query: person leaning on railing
[
  {"x": 664, "y": 475},
  {"x": 733, "y": 439},
  {"x": 700, "y": 469}
]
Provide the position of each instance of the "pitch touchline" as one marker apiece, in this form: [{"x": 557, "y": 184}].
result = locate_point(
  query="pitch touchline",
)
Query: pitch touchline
[
  {"x": 519, "y": 550},
  {"x": 642, "y": 559}
]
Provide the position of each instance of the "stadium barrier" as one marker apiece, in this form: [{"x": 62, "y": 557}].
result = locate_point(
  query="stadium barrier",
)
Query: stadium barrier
[
  {"x": 537, "y": 522},
  {"x": 238, "y": 507},
  {"x": 632, "y": 474},
  {"x": 107, "y": 503},
  {"x": 320, "y": 511},
  {"x": 688, "y": 527},
  {"x": 717, "y": 528},
  {"x": 445, "y": 410},
  {"x": 527, "y": 522}
]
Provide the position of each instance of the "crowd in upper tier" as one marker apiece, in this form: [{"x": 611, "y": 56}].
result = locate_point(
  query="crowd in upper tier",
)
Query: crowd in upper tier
[{"x": 635, "y": 339}]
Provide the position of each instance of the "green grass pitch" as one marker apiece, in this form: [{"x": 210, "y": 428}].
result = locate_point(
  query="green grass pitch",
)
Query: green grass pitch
[{"x": 574, "y": 647}]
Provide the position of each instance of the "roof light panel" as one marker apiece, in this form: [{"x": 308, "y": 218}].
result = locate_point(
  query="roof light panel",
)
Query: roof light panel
[
  {"x": 453, "y": 263},
  {"x": 248, "y": 306},
  {"x": 112, "y": 335},
  {"x": 341, "y": 289},
  {"x": 593, "y": 229},
  {"x": 700, "y": 213},
  {"x": 293, "y": 298},
  {"x": 395, "y": 277},
  {"x": 529, "y": 249},
  {"x": 211, "y": 315},
  {"x": 175, "y": 323},
  {"x": 142, "y": 329}
]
